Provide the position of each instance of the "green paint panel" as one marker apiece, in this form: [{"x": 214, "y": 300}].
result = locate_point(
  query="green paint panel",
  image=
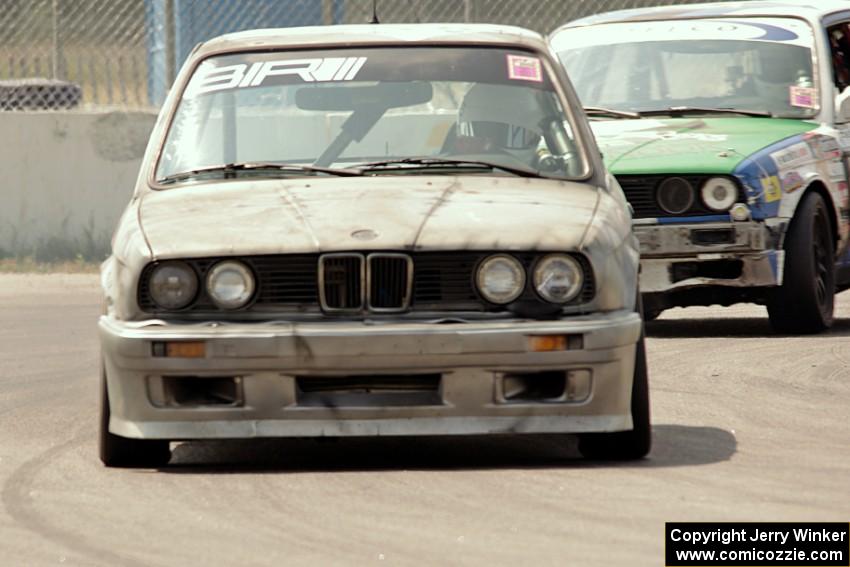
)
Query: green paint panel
[{"x": 688, "y": 145}]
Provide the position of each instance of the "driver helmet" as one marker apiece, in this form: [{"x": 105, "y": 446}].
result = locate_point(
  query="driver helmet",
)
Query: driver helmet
[{"x": 505, "y": 118}]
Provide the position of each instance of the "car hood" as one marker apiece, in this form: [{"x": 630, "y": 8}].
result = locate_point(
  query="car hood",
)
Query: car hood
[
  {"x": 688, "y": 145},
  {"x": 409, "y": 212}
]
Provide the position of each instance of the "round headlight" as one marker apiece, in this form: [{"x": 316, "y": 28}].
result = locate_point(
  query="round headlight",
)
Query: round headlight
[
  {"x": 230, "y": 284},
  {"x": 500, "y": 279},
  {"x": 558, "y": 278},
  {"x": 173, "y": 285},
  {"x": 675, "y": 195},
  {"x": 719, "y": 194}
]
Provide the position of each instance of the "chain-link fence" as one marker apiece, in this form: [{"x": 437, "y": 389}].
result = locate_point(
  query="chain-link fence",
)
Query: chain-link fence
[{"x": 124, "y": 53}]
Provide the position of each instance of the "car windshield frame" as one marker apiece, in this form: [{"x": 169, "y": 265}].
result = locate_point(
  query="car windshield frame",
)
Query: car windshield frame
[
  {"x": 550, "y": 67},
  {"x": 559, "y": 45}
]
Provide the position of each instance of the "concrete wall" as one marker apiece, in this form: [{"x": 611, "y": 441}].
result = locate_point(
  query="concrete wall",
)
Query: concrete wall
[{"x": 65, "y": 178}]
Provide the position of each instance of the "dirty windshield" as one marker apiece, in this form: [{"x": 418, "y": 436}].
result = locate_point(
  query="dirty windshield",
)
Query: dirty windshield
[
  {"x": 757, "y": 66},
  {"x": 376, "y": 110}
]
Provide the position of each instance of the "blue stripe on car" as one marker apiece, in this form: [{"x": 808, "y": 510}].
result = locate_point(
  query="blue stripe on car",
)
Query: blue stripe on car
[{"x": 758, "y": 166}]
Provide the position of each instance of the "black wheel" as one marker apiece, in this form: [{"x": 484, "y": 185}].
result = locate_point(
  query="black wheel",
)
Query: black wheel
[
  {"x": 626, "y": 445},
  {"x": 805, "y": 301},
  {"x": 116, "y": 451}
]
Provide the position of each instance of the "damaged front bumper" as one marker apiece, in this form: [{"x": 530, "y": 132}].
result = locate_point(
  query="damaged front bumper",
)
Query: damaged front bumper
[
  {"x": 682, "y": 256},
  {"x": 356, "y": 378}
]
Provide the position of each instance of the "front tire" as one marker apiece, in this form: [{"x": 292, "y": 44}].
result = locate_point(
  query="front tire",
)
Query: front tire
[
  {"x": 805, "y": 301},
  {"x": 626, "y": 445},
  {"x": 117, "y": 451}
]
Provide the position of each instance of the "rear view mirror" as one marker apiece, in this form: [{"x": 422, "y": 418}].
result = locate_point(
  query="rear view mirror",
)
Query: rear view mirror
[{"x": 382, "y": 95}]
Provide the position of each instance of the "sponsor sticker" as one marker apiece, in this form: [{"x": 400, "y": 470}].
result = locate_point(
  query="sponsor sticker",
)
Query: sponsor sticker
[
  {"x": 793, "y": 156},
  {"x": 523, "y": 68},
  {"x": 803, "y": 97},
  {"x": 835, "y": 170},
  {"x": 844, "y": 137},
  {"x": 824, "y": 146},
  {"x": 843, "y": 192},
  {"x": 772, "y": 188},
  {"x": 829, "y": 147},
  {"x": 791, "y": 181}
]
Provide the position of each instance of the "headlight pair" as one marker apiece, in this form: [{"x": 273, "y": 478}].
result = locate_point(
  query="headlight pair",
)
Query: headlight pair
[
  {"x": 174, "y": 285},
  {"x": 676, "y": 195},
  {"x": 557, "y": 278}
]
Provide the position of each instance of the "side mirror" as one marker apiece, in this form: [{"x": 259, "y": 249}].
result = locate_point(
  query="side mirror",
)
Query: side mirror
[{"x": 842, "y": 106}]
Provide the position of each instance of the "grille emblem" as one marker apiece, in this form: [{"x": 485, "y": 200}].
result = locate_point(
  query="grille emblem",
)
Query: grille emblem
[{"x": 365, "y": 234}]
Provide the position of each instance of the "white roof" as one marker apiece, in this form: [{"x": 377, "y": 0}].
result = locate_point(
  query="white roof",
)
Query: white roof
[
  {"x": 374, "y": 34},
  {"x": 811, "y": 10}
]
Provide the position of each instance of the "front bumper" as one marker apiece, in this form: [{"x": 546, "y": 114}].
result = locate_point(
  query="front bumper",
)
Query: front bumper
[
  {"x": 681, "y": 256},
  {"x": 268, "y": 361}
]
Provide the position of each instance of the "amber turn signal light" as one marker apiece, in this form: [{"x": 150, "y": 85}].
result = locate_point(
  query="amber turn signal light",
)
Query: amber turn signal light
[
  {"x": 549, "y": 343},
  {"x": 180, "y": 349},
  {"x": 545, "y": 343}
]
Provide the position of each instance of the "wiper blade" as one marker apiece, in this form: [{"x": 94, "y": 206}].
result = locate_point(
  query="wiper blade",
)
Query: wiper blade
[
  {"x": 446, "y": 162},
  {"x": 677, "y": 110},
  {"x": 610, "y": 112},
  {"x": 231, "y": 169}
]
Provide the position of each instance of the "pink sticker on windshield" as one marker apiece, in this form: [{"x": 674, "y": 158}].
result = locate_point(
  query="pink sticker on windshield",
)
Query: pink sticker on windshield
[
  {"x": 522, "y": 68},
  {"x": 803, "y": 97}
]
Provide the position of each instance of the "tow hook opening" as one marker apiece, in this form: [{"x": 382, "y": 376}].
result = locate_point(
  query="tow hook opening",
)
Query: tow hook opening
[
  {"x": 546, "y": 386},
  {"x": 712, "y": 269},
  {"x": 195, "y": 391},
  {"x": 713, "y": 236}
]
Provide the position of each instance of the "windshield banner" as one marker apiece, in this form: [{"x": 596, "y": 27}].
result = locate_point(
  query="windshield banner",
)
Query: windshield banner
[
  {"x": 778, "y": 30},
  {"x": 480, "y": 65}
]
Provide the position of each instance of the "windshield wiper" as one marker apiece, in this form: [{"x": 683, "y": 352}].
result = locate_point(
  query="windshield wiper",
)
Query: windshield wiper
[
  {"x": 609, "y": 112},
  {"x": 680, "y": 110},
  {"x": 230, "y": 170},
  {"x": 445, "y": 162}
]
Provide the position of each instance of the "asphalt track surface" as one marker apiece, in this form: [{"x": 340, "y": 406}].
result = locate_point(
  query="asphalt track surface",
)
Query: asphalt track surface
[{"x": 748, "y": 426}]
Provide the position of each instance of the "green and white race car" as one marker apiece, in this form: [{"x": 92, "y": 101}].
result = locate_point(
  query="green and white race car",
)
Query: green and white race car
[{"x": 727, "y": 126}]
